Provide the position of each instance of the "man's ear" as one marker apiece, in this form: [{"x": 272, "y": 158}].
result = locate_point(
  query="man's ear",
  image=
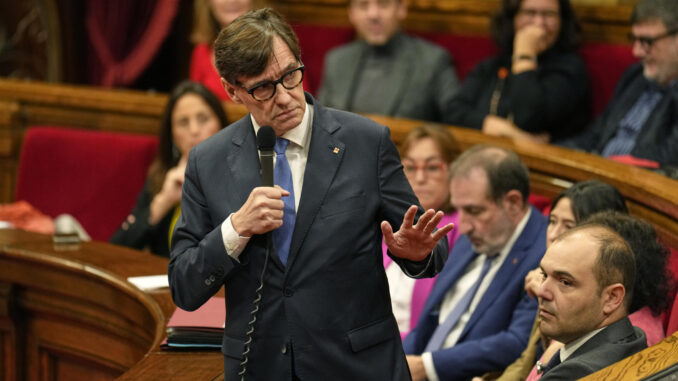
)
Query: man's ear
[
  {"x": 612, "y": 298},
  {"x": 230, "y": 90},
  {"x": 513, "y": 202}
]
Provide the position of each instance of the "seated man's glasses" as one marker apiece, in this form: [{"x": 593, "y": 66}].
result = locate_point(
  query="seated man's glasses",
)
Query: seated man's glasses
[
  {"x": 431, "y": 168},
  {"x": 647, "y": 42},
  {"x": 266, "y": 90}
]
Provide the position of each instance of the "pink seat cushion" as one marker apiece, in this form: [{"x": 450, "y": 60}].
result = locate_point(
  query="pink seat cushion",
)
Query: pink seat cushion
[{"x": 94, "y": 176}]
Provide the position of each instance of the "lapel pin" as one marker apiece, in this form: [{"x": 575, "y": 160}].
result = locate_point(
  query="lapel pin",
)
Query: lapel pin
[
  {"x": 515, "y": 260},
  {"x": 335, "y": 150}
]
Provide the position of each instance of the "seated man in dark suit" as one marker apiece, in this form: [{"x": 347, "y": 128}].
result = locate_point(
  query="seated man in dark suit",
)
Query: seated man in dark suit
[
  {"x": 641, "y": 120},
  {"x": 387, "y": 72},
  {"x": 478, "y": 317},
  {"x": 584, "y": 299}
]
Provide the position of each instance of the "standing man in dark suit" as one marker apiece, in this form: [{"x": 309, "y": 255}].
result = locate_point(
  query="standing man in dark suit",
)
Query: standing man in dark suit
[
  {"x": 340, "y": 186},
  {"x": 641, "y": 119},
  {"x": 478, "y": 317},
  {"x": 387, "y": 71},
  {"x": 589, "y": 274}
]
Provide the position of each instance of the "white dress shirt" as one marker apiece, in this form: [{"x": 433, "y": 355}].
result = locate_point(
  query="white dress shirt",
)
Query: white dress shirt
[
  {"x": 462, "y": 286},
  {"x": 297, "y": 155}
]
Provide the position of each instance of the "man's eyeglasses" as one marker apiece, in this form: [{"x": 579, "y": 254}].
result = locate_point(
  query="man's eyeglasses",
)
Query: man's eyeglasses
[
  {"x": 647, "y": 42},
  {"x": 266, "y": 90},
  {"x": 431, "y": 168}
]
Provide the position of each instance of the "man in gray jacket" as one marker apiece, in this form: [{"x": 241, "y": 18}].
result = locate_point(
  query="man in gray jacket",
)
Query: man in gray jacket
[{"x": 386, "y": 71}]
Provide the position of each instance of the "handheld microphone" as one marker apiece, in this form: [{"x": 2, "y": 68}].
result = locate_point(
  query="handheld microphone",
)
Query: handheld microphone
[{"x": 265, "y": 143}]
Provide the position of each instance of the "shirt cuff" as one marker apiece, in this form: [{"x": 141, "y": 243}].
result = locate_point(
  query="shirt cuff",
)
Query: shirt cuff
[
  {"x": 233, "y": 243},
  {"x": 431, "y": 374},
  {"x": 417, "y": 269}
]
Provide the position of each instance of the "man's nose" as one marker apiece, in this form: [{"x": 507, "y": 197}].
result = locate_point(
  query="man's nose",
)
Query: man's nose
[
  {"x": 372, "y": 11},
  {"x": 282, "y": 95},
  {"x": 638, "y": 50},
  {"x": 465, "y": 225},
  {"x": 543, "y": 292}
]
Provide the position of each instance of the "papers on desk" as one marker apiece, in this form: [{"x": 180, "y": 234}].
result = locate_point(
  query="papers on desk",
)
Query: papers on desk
[
  {"x": 199, "y": 329},
  {"x": 150, "y": 282}
]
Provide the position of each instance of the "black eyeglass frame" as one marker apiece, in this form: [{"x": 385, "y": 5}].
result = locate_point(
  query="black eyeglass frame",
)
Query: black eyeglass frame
[
  {"x": 647, "y": 42},
  {"x": 275, "y": 83}
]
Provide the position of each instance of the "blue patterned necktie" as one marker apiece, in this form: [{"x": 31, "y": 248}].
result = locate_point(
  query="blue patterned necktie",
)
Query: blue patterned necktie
[
  {"x": 282, "y": 176},
  {"x": 443, "y": 330}
]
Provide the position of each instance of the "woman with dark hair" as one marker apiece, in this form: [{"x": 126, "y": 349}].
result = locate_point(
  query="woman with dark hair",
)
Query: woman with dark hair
[
  {"x": 192, "y": 114},
  {"x": 537, "y": 87},
  {"x": 426, "y": 153}
]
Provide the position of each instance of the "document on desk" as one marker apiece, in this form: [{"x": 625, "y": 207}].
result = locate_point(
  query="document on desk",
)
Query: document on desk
[
  {"x": 150, "y": 282},
  {"x": 199, "y": 329}
]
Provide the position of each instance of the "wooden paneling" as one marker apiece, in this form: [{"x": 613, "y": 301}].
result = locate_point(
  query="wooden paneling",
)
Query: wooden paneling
[
  {"x": 600, "y": 22},
  {"x": 73, "y": 315}
]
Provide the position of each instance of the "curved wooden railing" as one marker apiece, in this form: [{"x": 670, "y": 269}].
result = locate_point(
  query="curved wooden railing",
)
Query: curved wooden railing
[{"x": 72, "y": 314}]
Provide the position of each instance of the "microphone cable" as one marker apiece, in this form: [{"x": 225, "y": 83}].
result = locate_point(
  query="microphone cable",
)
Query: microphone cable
[{"x": 255, "y": 310}]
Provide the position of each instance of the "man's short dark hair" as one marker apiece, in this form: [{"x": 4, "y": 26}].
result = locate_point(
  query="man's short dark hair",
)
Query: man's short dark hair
[
  {"x": 665, "y": 11},
  {"x": 654, "y": 283},
  {"x": 245, "y": 46},
  {"x": 616, "y": 262},
  {"x": 505, "y": 171}
]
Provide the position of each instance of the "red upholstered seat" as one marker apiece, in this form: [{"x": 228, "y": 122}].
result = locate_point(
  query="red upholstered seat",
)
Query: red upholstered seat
[
  {"x": 315, "y": 41},
  {"x": 94, "y": 176},
  {"x": 606, "y": 63}
]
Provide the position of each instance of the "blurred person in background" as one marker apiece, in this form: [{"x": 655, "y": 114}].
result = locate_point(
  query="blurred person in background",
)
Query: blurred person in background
[
  {"x": 209, "y": 17},
  {"x": 537, "y": 87},
  {"x": 426, "y": 153},
  {"x": 192, "y": 115}
]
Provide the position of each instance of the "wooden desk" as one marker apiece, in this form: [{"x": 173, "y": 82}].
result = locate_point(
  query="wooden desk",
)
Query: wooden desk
[{"x": 72, "y": 315}]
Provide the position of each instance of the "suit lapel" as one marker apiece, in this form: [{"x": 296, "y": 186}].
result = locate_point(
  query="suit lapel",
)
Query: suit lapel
[
  {"x": 348, "y": 76},
  {"x": 394, "y": 90},
  {"x": 324, "y": 157},
  {"x": 245, "y": 167},
  {"x": 453, "y": 270},
  {"x": 243, "y": 160},
  {"x": 511, "y": 266}
]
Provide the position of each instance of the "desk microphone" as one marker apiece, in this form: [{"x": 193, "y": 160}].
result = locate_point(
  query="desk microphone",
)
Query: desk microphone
[{"x": 265, "y": 143}]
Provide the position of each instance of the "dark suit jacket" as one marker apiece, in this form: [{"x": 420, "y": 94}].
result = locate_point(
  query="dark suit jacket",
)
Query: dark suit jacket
[
  {"x": 658, "y": 138},
  {"x": 499, "y": 327},
  {"x": 139, "y": 234},
  {"x": 423, "y": 80},
  {"x": 618, "y": 341},
  {"x": 330, "y": 305}
]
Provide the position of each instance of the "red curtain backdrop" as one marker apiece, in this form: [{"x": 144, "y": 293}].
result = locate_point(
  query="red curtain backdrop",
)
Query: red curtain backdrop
[{"x": 125, "y": 35}]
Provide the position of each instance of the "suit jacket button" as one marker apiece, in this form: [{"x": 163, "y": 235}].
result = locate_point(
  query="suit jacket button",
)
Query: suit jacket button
[
  {"x": 284, "y": 349},
  {"x": 208, "y": 282},
  {"x": 287, "y": 291}
]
